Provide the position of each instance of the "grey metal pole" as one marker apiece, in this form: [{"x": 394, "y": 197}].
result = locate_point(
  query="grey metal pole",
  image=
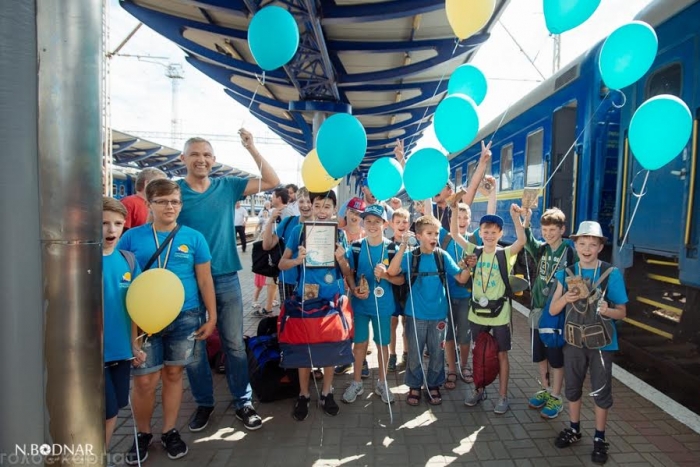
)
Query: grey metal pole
[
  {"x": 21, "y": 318},
  {"x": 69, "y": 37}
]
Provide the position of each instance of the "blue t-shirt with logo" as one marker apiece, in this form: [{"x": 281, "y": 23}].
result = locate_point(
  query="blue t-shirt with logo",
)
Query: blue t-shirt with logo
[
  {"x": 384, "y": 305},
  {"x": 428, "y": 299},
  {"x": 327, "y": 289},
  {"x": 284, "y": 231},
  {"x": 212, "y": 214},
  {"x": 456, "y": 252},
  {"x": 116, "y": 279},
  {"x": 615, "y": 292},
  {"x": 188, "y": 248}
]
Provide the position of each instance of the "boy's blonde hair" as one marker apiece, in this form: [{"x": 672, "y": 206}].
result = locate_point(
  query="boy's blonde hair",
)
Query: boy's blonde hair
[
  {"x": 113, "y": 205},
  {"x": 303, "y": 193},
  {"x": 401, "y": 212},
  {"x": 425, "y": 221},
  {"x": 464, "y": 207},
  {"x": 553, "y": 216}
]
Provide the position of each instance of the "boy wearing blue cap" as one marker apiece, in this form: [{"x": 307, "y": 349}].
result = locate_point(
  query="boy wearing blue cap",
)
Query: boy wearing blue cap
[{"x": 490, "y": 309}]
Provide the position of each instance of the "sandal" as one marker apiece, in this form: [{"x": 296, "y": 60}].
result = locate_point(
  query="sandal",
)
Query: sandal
[
  {"x": 435, "y": 398},
  {"x": 467, "y": 375},
  {"x": 451, "y": 381},
  {"x": 413, "y": 398}
]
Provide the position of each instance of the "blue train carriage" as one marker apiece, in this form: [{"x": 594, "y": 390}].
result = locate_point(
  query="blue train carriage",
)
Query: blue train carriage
[
  {"x": 537, "y": 134},
  {"x": 660, "y": 255},
  {"x": 123, "y": 184}
]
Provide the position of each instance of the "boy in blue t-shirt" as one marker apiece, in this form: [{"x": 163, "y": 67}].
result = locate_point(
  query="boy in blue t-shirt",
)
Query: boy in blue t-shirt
[
  {"x": 426, "y": 307},
  {"x": 372, "y": 300},
  {"x": 609, "y": 304},
  {"x": 327, "y": 283},
  {"x": 117, "y": 275}
]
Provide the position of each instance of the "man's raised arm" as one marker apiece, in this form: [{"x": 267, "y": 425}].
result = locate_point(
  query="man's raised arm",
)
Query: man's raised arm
[{"x": 269, "y": 178}]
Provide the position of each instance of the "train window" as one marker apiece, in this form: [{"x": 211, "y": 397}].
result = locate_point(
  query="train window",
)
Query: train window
[
  {"x": 458, "y": 176},
  {"x": 667, "y": 80},
  {"x": 114, "y": 189},
  {"x": 471, "y": 168},
  {"x": 533, "y": 158},
  {"x": 507, "y": 167},
  {"x": 122, "y": 190}
]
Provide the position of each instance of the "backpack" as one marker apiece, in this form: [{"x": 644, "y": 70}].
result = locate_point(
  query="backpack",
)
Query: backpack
[
  {"x": 536, "y": 313},
  {"x": 485, "y": 365},
  {"x": 471, "y": 238},
  {"x": 551, "y": 328},
  {"x": 583, "y": 325},
  {"x": 215, "y": 352},
  {"x": 269, "y": 381},
  {"x": 400, "y": 291},
  {"x": 130, "y": 260},
  {"x": 495, "y": 307},
  {"x": 266, "y": 262}
]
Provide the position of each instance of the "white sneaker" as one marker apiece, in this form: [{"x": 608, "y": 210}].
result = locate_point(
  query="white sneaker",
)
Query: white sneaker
[
  {"x": 502, "y": 406},
  {"x": 381, "y": 390},
  {"x": 355, "y": 389},
  {"x": 256, "y": 306}
]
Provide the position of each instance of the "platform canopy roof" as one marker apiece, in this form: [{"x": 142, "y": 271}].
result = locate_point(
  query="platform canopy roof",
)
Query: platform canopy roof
[
  {"x": 385, "y": 61},
  {"x": 133, "y": 152}
]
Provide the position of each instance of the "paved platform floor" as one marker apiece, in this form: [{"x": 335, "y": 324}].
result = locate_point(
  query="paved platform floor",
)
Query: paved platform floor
[{"x": 450, "y": 434}]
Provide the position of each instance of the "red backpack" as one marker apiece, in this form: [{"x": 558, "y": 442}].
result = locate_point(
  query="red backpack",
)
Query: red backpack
[{"x": 485, "y": 360}]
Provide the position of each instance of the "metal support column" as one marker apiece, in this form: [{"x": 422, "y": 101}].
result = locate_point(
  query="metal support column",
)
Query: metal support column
[
  {"x": 21, "y": 318},
  {"x": 319, "y": 118},
  {"x": 70, "y": 148}
]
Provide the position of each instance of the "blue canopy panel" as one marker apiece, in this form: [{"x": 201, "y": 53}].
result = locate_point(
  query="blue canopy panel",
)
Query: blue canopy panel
[
  {"x": 387, "y": 62},
  {"x": 136, "y": 153}
]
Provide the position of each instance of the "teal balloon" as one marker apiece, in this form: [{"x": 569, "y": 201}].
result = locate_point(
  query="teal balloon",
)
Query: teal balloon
[
  {"x": 385, "y": 178},
  {"x": 470, "y": 81},
  {"x": 627, "y": 54},
  {"x": 564, "y": 15},
  {"x": 273, "y": 37},
  {"x": 341, "y": 144},
  {"x": 426, "y": 173},
  {"x": 456, "y": 122},
  {"x": 659, "y": 130}
]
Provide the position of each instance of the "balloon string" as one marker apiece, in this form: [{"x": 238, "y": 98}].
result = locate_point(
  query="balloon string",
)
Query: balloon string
[
  {"x": 634, "y": 213},
  {"x": 381, "y": 360},
  {"x": 437, "y": 88},
  {"x": 573, "y": 145},
  {"x": 261, "y": 82}
]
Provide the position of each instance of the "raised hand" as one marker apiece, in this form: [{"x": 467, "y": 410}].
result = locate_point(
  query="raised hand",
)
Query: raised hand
[
  {"x": 485, "y": 152},
  {"x": 246, "y": 138},
  {"x": 399, "y": 151}
]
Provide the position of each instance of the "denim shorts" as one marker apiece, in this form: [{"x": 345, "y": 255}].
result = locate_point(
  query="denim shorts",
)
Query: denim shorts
[
  {"x": 361, "y": 323},
  {"x": 173, "y": 346}
]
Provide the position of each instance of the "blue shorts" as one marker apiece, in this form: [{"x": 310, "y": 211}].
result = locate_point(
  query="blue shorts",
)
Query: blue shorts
[
  {"x": 398, "y": 310},
  {"x": 116, "y": 386},
  {"x": 173, "y": 346},
  {"x": 381, "y": 336}
]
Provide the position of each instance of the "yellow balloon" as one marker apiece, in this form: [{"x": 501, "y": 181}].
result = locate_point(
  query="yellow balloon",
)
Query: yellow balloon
[
  {"x": 315, "y": 177},
  {"x": 468, "y": 16},
  {"x": 154, "y": 299}
]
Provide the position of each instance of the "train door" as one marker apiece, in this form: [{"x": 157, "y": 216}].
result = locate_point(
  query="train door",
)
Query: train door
[
  {"x": 662, "y": 208},
  {"x": 562, "y": 186}
]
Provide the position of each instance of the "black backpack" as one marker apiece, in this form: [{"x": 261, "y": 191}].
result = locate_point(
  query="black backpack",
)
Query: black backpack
[
  {"x": 439, "y": 262},
  {"x": 266, "y": 262},
  {"x": 494, "y": 307},
  {"x": 400, "y": 291}
]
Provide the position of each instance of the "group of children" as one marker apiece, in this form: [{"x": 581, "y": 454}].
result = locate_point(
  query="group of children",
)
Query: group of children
[{"x": 448, "y": 288}]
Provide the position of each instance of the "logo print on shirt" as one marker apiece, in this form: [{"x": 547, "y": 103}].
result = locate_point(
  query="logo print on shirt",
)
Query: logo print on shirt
[
  {"x": 183, "y": 249},
  {"x": 126, "y": 278}
]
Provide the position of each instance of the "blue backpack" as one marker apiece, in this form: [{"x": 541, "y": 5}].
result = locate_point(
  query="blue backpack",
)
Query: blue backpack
[{"x": 552, "y": 327}]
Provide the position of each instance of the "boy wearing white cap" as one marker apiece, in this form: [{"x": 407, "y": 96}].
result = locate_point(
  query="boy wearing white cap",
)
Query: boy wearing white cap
[{"x": 592, "y": 294}]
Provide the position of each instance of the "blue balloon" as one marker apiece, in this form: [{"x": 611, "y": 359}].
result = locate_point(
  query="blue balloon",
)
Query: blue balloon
[
  {"x": 659, "y": 130},
  {"x": 273, "y": 37},
  {"x": 563, "y": 15},
  {"x": 456, "y": 122},
  {"x": 470, "y": 81},
  {"x": 341, "y": 144},
  {"x": 627, "y": 54},
  {"x": 385, "y": 178},
  {"x": 426, "y": 173}
]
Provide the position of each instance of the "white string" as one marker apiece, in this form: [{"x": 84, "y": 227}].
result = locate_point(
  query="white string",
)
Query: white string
[{"x": 634, "y": 213}]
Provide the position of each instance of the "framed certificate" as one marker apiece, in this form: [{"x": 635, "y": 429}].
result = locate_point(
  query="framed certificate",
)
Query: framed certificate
[{"x": 320, "y": 240}]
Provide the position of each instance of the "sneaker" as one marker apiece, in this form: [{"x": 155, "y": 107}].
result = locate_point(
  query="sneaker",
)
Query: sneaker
[
  {"x": 173, "y": 444},
  {"x": 330, "y": 407},
  {"x": 476, "y": 397},
  {"x": 553, "y": 408},
  {"x": 600, "y": 451},
  {"x": 539, "y": 400},
  {"x": 250, "y": 418},
  {"x": 566, "y": 438},
  {"x": 342, "y": 369},
  {"x": 365, "y": 370},
  {"x": 200, "y": 418},
  {"x": 392, "y": 363},
  {"x": 142, "y": 441},
  {"x": 301, "y": 408},
  {"x": 381, "y": 390},
  {"x": 355, "y": 389},
  {"x": 256, "y": 305},
  {"x": 502, "y": 406}
]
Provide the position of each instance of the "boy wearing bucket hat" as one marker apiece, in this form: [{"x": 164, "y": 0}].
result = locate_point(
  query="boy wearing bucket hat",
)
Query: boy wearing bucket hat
[{"x": 595, "y": 291}]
